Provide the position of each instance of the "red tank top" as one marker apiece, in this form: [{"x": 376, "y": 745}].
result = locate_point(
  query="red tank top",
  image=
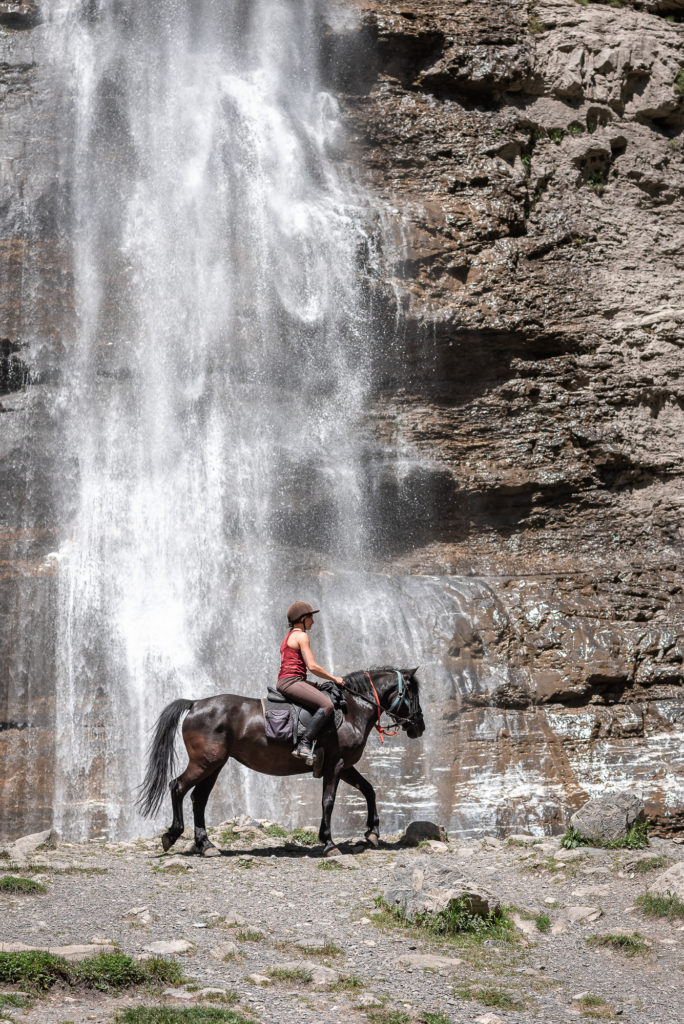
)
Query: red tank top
[{"x": 291, "y": 661}]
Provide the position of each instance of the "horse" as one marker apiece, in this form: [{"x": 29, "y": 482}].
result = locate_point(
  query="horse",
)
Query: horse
[{"x": 228, "y": 725}]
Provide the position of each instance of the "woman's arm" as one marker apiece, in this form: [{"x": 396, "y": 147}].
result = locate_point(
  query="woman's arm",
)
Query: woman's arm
[{"x": 307, "y": 654}]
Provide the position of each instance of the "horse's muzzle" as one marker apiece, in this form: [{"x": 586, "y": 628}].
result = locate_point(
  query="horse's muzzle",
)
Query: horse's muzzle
[{"x": 415, "y": 729}]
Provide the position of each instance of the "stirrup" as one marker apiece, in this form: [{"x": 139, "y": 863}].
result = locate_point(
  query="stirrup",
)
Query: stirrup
[{"x": 304, "y": 750}]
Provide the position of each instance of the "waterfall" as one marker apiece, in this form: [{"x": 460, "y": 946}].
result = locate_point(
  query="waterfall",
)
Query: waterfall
[{"x": 213, "y": 388}]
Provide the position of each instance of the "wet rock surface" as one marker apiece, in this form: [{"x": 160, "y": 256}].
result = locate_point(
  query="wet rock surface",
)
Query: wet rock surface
[{"x": 334, "y": 955}]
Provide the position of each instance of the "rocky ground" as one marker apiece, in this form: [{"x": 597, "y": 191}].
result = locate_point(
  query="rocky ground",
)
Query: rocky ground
[{"x": 271, "y": 902}]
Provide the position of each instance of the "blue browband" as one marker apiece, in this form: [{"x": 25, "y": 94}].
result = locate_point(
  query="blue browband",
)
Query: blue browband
[{"x": 400, "y": 697}]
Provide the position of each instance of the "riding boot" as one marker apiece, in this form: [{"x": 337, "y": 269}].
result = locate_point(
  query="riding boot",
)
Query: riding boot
[{"x": 305, "y": 745}]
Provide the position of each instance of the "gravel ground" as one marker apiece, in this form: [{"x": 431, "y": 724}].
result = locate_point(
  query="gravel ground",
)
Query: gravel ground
[{"x": 270, "y": 896}]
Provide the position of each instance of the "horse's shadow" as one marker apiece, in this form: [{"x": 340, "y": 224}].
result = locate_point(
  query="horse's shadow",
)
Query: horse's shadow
[{"x": 348, "y": 848}]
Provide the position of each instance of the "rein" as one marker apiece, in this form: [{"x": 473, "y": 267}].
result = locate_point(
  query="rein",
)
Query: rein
[{"x": 383, "y": 732}]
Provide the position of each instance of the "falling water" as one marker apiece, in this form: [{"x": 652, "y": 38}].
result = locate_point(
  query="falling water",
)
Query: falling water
[{"x": 217, "y": 372}]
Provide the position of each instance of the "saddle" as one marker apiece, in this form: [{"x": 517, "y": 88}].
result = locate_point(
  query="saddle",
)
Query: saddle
[{"x": 287, "y": 721}]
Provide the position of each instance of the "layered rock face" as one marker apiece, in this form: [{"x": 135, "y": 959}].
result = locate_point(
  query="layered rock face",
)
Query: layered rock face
[
  {"x": 526, "y": 163},
  {"x": 531, "y": 162}
]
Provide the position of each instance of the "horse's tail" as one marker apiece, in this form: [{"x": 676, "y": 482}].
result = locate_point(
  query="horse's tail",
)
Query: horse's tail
[{"x": 162, "y": 758}]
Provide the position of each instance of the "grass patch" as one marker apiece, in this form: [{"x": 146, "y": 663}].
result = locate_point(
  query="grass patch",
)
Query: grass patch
[
  {"x": 329, "y": 949},
  {"x": 347, "y": 983},
  {"x": 78, "y": 871},
  {"x": 594, "y": 1007},
  {"x": 229, "y": 836},
  {"x": 388, "y": 1017},
  {"x": 543, "y": 922},
  {"x": 650, "y": 864},
  {"x": 18, "y": 884},
  {"x": 490, "y": 995},
  {"x": 39, "y": 970},
  {"x": 434, "y": 1018},
  {"x": 305, "y": 836},
  {"x": 636, "y": 838},
  {"x": 630, "y": 944},
  {"x": 185, "y": 1015},
  {"x": 669, "y": 905},
  {"x": 14, "y": 1000},
  {"x": 455, "y": 920},
  {"x": 290, "y": 974},
  {"x": 248, "y": 935},
  {"x": 275, "y": 831},
  {"x": 329, "y": 865}
]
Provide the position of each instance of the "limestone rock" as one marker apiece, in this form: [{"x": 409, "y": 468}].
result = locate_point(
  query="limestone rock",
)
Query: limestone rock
[
  {"x": 608, "y": 817},
  {"x": 428, "y": 961},
  {"x": 425, "y": 886},
  {"x": 171, "y": 947},
  {"x": 670, "y": 881},
  {"x": 21, "y": 849},
  {"x": 223, "y": 950},
  {"x": 320, "y": 975},
  {"x": 420, "y": 831}
]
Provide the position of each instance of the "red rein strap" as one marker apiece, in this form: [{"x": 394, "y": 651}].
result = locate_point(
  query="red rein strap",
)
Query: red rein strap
[{"x": 382, "y": 732}]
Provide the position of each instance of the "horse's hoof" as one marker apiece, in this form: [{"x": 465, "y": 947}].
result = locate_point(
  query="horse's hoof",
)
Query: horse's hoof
[
  {"x": 211, "y": 851},
  {"x": 372, "y": 839},
  {"x": 167, "y": 842},
  {"x": 331, "y": 851}
]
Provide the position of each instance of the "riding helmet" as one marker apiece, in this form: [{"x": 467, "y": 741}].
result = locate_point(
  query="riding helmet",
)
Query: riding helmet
[{"x": 298, "y": 610}]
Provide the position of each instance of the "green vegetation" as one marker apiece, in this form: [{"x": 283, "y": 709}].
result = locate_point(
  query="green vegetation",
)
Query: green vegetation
[
  {"x": 290, "y": 974},
  {"x": 388, "y": 1017},
  {"x": 650, "y": 864},
  {"x": 636, "y": 838},
  {"x": 489, "y": 995},
  {"x": 14, "y": 1000},
  {"x": 556, "y": 135},
  {"x": 576, "y": 129},
  {"x": 248, "y": 935},
  {"x": 16, "y": 884},
  {"x": 597, "y": 182},
  {"x": 669, "y": 905},
  {"x": 275, "y": 831},
  {"x": 434, "y": 1018},
  {"x": 329, "y": 865},
  {"x": 594, "y": 1007},
  {"x": 526, "y": 161},
  {"x": 534, "y": 25},
  {"x": 39, "y": 970},
  {"x": 456, "y": 919},
  {"x": 328, "y": 949},
  {"x": 228, "y": 836},
  {"x": 347, "y": 983},
  {"x": 543, "y": 922},
  {"x": 629, "y": 944},
  {"x": 678, "y": 85},
  {"x": 171, "y": 1015},
  {"x": 306, "y": 836}
]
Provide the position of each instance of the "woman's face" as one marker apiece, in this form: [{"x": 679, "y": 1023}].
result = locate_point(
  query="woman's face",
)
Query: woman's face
[{"x": 308, "y": 621}]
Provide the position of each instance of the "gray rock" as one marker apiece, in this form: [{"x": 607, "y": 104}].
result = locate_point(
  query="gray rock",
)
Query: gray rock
[
  {"x": 426, "y": 886},
  {"x": 179, "y": 993},
  {"x": 608, "y": 817},
  {"x": 73, "y": 952},
  {"x": 170, "y": 948},
  {"x": 223, "y": 950},
  {"x": 174, "y": 864},
  {"x": 420, "y": 831},
  {"x": 320, "y": 975},
  {"x": 21, "y": 849},
  {"x": 671, "y": 881},
  {"x": 428, "y": 961}
]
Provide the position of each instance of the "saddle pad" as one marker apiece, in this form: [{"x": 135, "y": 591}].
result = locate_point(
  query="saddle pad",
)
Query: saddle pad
[{"x": 304, "y": 715}]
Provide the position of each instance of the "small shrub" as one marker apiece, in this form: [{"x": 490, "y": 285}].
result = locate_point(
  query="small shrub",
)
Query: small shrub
[
  {"x": 636, "y": 838},
  {"x": 543, "y": 922},
  {"x": 14, "y": 1000},
  {"x": 526, "y": 161},
  {"x": 228, "y": 836},
  {"x": 594, "y": 1007},
  {"x": 556, "y": 135},
  {"x": 535, "y": 25},
  {"x": 329, "y": 865},
  {"x": 248, "y": 935},
  {"x": 629, "y": 944},
  {"x": 328, "y": 949},
  {"x": 456, "y": 919},
  {"x": 40, "y": 970},
  {"x": 18, "y": 884},
  {"x": 388, "y": 1017},
  {"x": 434, "y": 1018},
  {"x": 669, "y": 905},
  {"x": 576, "y": 129},
  {"x": 34, "y": 969},
  {"x": 305, "y": 836},
  {"x": 161, "y": 971},
  {"x": 597, "y": 182}
]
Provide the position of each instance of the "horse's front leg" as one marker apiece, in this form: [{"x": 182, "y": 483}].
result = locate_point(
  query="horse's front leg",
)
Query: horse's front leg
[
  {"x": 330, "y": 784},
  {"x": 354, "y": 778}
]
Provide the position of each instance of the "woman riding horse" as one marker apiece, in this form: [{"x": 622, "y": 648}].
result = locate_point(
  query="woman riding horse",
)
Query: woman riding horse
[{"x": 296, "y": 657}]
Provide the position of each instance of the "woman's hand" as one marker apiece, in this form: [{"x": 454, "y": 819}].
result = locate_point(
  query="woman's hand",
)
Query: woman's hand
[{"x": 339, "y": 680}]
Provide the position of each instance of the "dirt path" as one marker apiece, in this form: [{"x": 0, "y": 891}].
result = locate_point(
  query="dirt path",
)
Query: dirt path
[{"x": 273, "y": 898}]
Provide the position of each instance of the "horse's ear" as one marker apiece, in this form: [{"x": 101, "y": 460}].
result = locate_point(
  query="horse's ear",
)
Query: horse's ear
[{"x": 410, "y": 671}]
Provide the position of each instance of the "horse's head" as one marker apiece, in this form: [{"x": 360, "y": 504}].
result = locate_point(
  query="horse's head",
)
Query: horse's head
[{"x": 398, "y": 691}]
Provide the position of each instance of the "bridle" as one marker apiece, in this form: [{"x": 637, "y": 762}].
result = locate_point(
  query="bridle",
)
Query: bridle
[{"x": 404, "y": 697}]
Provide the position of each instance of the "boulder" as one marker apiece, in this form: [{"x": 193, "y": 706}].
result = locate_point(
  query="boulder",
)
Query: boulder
[
  {"x": 223, "y": 950},
  {"x": 428, "y": 961},
  {"x": 170, "y": 948},
  {"x": 669, "y": 882},
  {"x": 320, "y": 975},
  {"x": 608, "y": 817},
  {"x": 420, "y": 831},
  {"x": 425, "y": 886},
  {"x": 21, "y": 849}
]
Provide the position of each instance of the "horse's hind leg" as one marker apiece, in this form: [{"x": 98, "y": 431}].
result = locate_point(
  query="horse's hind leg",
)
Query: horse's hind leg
[
  {"x": 354, "y": 778},
  {"x": 178, "y": 788},
  {"x": 200, "y": 795}
]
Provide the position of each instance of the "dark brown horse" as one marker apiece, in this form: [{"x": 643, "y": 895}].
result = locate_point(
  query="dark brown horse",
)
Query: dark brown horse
[{"x": 217, "y": 728}]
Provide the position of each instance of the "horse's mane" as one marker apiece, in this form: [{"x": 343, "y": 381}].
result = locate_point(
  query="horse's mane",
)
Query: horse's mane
[{"x": 357, "y": 682}]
